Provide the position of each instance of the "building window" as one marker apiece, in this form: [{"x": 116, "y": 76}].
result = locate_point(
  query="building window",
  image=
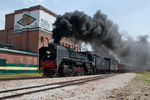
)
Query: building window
[
  {"x": 74, "y": 48},
  {"x": 47, "y": 41},
  {"x": 66, "y": 45},
  {"x": 42, "y": 40}
]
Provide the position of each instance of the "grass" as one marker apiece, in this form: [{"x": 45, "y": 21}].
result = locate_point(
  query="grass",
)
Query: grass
[
  {"x": 20, "y": 75},
  {"x": 93, "y": 89},
  {"x": 146, "y": 94},
  {"x": 143, "y": 76},
  {"x": 138, "y": 87},
  {"x": 142, "y": 90}
]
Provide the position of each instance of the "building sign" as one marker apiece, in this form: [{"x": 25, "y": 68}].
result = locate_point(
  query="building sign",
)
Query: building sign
[
  {"x": 26, "y": 20},
  {"x": 34, "y": 19},
  {"x": 45, "y": 24},
  {"x": 46, "y": 21}
]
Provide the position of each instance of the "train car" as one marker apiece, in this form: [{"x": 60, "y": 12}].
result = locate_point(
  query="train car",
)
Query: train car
[
  {"x": 100, "y": 64},
  {"x": 122, "y": 67},
  {"x": 59, "y": 60},
  {"x": 112, "y": 63}
]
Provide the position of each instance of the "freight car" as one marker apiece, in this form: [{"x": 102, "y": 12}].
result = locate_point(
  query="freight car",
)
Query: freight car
[
  {"x": 122, "y": 68},
  {"x": 112, "y": 64},
  {"x": 58, "y": 60}
]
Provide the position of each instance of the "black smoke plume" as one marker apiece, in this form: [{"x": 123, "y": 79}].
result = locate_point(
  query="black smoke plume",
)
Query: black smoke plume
[
  {"x": 85, "y": 28},
  {"x": 99, "y": 31}
]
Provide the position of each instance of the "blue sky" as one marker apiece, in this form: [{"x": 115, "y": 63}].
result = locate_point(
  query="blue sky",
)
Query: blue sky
[{"x": 132, "y": 16}]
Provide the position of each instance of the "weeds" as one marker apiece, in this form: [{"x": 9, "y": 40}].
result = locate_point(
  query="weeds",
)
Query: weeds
[{"x": 93, "y": 89}]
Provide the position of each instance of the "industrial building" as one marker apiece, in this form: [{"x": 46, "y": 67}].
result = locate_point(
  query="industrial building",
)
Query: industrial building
[{"x": 26, "y": 30}]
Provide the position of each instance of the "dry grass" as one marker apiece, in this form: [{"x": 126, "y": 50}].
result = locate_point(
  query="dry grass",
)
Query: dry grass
[
  {"x": 137, "y": 89},
  {"x": 21, "y": 75}
]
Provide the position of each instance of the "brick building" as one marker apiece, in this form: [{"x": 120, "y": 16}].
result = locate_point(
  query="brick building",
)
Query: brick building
[{"x": 27, "y": 30}]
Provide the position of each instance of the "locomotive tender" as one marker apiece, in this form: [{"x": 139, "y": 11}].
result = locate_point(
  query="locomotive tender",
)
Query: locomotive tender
[{"x": 59, "y": 60}]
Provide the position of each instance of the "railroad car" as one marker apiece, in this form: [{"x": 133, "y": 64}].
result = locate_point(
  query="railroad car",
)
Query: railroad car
[
  {"x": 112, "y": 64},
  {"x": 122, "y": 67},
  {"x": 101, "y": 65}
]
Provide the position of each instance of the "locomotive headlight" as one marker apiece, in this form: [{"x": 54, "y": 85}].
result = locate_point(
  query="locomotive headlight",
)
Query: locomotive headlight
[{"x": 48, "y": 52}]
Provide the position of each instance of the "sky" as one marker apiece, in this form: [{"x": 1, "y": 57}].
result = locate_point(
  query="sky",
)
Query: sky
[{"x": 131, "y": 16}]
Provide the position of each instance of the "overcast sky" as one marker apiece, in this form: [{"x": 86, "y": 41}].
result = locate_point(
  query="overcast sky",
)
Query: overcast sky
[{"x": 132, "y": 16}]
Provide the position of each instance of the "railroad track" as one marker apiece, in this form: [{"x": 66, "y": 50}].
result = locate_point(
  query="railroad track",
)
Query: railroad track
[{"x": 7, "y": 93}]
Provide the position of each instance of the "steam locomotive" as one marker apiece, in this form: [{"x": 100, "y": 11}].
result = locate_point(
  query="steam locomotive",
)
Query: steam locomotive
[{"x": 58, "y": 60}]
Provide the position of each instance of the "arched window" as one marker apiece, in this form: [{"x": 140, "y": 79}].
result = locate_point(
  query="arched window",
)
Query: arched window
[
  {"x": 62, "y": 43},
  {"x": 42, "y": 40},
  {"x": 75, "y": 48},
  {"x": 66, "y": 45}
]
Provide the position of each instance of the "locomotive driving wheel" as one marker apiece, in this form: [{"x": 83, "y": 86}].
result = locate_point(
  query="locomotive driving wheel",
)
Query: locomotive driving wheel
[
  {"x": 61, "y": 69},
  {"x": 82, "y": 71},
  {"x": 56, "y": 74},
  {"x": 78, "y": 71}
]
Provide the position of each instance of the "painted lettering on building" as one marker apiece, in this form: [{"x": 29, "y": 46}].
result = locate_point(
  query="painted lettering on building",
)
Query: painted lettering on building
[
  {"x": 45, "y": 24},
  {"x": 26, "y": 20}
]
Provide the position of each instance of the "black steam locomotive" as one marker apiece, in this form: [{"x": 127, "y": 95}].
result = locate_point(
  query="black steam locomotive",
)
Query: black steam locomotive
[{"x": 58, "y": 60}]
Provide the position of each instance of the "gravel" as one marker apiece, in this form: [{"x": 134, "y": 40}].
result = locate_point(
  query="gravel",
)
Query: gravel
[
  {"x": 4, "y": 85},
  {"x": 95, "y": 90},
  {"x": 137, "y": 89}
]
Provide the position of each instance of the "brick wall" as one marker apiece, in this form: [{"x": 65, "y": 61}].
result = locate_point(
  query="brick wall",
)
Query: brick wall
[
  {"x": 43, "y": 39},
  {"x": 3, "y": 37},
  {"x": 9, "y": 24},
  {"x": 10, "y": 37},
  {"x": 69, "y": 44},
  {"x": 6, "y": 37},
  {"x": 27, "y": 41},
  {"x": 18, "y": 58}
]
